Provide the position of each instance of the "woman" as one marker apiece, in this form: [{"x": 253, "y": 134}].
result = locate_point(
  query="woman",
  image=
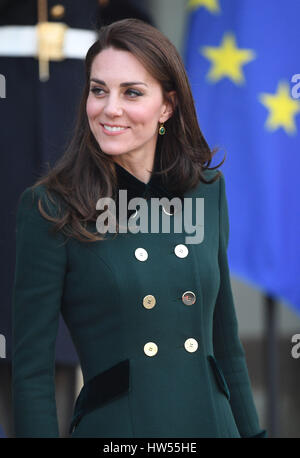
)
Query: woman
[{"x": 151, "y": 316}]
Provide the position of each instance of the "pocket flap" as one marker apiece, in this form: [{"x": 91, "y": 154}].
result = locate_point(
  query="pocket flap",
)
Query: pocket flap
[{"x": 101, "y": 389}]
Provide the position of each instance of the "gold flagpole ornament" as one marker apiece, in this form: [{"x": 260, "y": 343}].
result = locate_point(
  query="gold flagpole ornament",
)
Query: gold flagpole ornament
[{"x": 50, "y": 40}]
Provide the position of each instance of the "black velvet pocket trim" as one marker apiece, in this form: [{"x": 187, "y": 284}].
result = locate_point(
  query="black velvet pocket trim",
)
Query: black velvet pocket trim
[
  {"x": 219, "y": 376},
  {"x": 101, "y": 389}
]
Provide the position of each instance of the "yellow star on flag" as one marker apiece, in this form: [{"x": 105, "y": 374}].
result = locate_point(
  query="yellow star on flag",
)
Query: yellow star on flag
[
  {"x": 282, "y": 109},
  {"x": 211, "y": 5},
  {"x": 227, "y": 60}
]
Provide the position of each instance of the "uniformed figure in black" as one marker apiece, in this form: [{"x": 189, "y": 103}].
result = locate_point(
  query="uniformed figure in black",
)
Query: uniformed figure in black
[{"x": 37, "y": 118}]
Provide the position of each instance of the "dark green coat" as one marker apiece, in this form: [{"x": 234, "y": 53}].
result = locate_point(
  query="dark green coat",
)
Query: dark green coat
[{"x": 100, "y": 289}]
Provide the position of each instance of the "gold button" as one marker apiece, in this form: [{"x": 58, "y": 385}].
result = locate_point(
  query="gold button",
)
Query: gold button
[
  {"x": 191, "y": 345},
  {"x": 149, "y": 301},
  {"x": 141, "y": 254},
  {"x": 150, "y": 349},
  {"x": 57, "y": 11},
  {"x": 181, "y": 251},
  {"x": 189, "y": 298}
]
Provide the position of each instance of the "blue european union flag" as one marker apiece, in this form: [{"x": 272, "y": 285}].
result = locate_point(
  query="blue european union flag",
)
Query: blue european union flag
[{"x": 242, "y": 58}]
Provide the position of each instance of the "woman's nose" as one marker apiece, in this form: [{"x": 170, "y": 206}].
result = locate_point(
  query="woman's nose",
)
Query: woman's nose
[{"x": 113, "y": 106}]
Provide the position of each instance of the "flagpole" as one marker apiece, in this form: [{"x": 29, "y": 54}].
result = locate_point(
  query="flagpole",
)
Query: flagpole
[{"x": 271, "y": 366}]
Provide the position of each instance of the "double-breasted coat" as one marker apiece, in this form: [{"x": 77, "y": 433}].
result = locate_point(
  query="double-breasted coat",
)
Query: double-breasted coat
[
  {"x": 151, "y": 317},
  {"x": 37, "y": 120}
]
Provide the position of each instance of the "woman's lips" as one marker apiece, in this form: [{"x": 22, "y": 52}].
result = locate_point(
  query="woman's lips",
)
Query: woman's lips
[{"x": 114, "y": 132}]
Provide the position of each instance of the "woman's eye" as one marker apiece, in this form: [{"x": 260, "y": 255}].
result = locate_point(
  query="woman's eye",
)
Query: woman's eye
[
  {"x": 96, "y": 90},
  {"x": 133, "y": 92}
]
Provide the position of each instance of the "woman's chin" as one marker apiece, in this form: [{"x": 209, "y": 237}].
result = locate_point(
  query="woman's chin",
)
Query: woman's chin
[{"x": 112, "y": 152}]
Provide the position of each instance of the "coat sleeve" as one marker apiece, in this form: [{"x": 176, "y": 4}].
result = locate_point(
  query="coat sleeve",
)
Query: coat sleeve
[
  {"x": 38, "y": 287},
  {"x": 228, "y": 349}
]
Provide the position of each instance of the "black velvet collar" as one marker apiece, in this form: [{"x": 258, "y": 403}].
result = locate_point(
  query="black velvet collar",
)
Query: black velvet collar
[{"x": 137, "y": 188}]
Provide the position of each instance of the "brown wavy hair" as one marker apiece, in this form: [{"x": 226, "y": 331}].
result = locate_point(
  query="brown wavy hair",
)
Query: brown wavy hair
[{"x": 84, "y": 173}]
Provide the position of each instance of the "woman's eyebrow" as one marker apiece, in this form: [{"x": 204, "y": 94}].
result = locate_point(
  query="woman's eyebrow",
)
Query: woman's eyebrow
[{"x": 128, "y": 83}]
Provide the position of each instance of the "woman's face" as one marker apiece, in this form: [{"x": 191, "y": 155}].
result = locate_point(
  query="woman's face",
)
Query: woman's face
[{"x": 125, "y": 104}]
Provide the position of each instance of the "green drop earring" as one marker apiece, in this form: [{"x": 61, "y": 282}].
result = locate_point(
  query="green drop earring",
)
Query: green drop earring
[{"x": 161, "y": 129}]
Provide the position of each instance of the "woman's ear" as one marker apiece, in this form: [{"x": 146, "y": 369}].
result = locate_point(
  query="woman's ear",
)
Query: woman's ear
[{"x": 169, "y": 106}]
